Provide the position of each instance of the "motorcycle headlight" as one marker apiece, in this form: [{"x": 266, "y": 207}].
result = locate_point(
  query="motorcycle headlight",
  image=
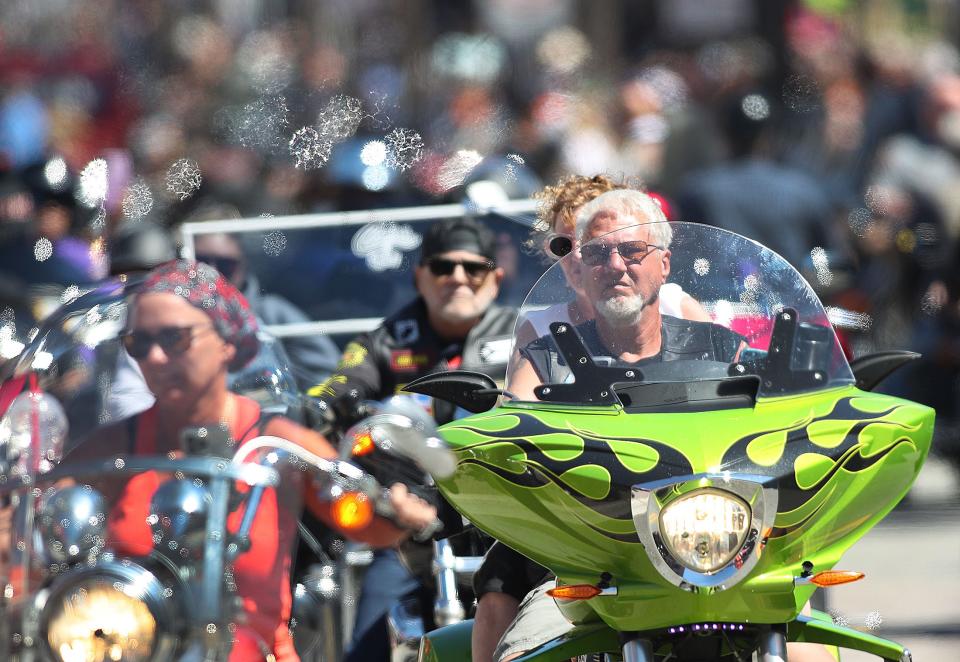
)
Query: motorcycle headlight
[
  {"x": 109, "y": 613},
  {"x": 705, "y": 529}
]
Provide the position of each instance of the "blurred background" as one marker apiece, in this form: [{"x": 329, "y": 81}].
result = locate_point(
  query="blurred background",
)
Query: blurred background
[{"x": 826, "y": 129}]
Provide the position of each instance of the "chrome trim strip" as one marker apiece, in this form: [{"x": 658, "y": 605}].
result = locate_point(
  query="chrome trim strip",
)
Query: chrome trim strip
[{"x": 649, "y": 499}]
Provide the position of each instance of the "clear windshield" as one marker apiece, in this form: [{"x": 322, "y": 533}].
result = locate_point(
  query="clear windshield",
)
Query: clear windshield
[
  {"x": 78, "y": 358},
  {"x": 677, "y": 302}
]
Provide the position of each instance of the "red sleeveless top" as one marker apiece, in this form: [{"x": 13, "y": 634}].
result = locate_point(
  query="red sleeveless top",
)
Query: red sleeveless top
[{"x": 262, "y": 574}]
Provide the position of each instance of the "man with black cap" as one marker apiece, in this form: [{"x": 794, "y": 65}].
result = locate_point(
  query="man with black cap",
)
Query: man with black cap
[{"x": 454, "y": 323}]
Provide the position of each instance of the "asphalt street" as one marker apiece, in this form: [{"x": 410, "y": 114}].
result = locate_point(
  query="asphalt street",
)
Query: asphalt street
[{"x": 911, "y": 593}]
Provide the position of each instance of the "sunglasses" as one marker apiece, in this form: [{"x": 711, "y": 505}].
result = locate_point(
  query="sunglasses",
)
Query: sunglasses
[
  {"x": 632, "y": 252},
  {"x": 227, "y": 266},
  {"x": 173, "y": 340},
  {"x": 558, "y": 245},
  {"x": 441, "y": 266}
]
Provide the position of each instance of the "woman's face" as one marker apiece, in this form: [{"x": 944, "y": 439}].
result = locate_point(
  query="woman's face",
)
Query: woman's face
[
  {"x": 564, "y": 223},
  {"x": 181, "y": 375}
]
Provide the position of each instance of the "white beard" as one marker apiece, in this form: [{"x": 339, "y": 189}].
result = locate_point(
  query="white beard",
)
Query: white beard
[{"x": 621, "y": 311}]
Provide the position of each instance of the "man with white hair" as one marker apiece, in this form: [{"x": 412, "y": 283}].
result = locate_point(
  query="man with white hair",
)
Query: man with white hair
[{"x": 624, "y": 243}]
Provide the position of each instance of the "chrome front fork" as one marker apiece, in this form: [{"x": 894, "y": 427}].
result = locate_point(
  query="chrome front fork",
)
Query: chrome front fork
[
  {"x": 773, "y": 647},
  {"x": 638, "y": 650}
]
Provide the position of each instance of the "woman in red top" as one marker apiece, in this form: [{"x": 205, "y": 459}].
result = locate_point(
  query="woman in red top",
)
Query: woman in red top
[{"x": 187, "y": 327}]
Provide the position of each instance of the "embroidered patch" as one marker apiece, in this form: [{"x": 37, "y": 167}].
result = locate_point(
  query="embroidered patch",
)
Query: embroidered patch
[
  {"x": 325, "y": 388},
  {"x": 406, "y": 331},
  {"x": 353, "y": 355},
  {"x": 404, "y": 360}
]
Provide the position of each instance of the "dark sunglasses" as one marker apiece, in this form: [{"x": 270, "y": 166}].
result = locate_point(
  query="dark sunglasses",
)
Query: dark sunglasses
[
  {"x": 558, "y": 245},
  {"x": 227, "y": 266},
  {"x": 441, "y": 266},
  {"x": 632, "y": 252},
  {"x": 173, "y": 340}
]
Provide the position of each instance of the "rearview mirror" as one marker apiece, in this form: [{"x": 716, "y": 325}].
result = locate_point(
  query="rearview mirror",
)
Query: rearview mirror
[{"x": 402, "y": 427}]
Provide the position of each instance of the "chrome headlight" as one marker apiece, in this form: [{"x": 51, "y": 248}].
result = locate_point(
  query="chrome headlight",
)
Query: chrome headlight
[
  {"x": 73, "y": 521},
  {"x": 705, "y": 529},
  {"x": 109, "y": 613}
]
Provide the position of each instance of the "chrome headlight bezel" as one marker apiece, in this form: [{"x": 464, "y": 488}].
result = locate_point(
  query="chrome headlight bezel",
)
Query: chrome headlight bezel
[
  {"x": 649, "y": 499},
  {"x": 139, "y": 583}
]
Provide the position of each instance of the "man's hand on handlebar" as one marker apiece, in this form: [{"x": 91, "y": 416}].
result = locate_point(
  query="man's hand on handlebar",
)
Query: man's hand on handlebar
[{"x": 410, "y": 510}]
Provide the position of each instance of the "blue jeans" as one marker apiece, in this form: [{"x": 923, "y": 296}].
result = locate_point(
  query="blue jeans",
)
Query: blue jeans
[{"x": 385, "y": 582}]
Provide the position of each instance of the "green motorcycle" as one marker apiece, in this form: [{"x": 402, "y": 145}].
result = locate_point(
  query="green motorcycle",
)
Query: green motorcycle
[{"x": 691, "y": 502}]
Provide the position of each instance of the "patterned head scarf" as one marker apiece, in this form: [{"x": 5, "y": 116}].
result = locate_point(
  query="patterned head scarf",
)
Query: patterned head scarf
[{"x": 202, "y": 286}]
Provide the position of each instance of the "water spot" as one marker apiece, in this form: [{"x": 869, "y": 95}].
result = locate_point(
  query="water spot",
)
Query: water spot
[
  {"x": 264, "y": 60},
  {"x": 755, "y": 107},
  {"x": 801, "y": 93},
  {"x": 874, "y": 620},
  {"x": 379, "y": 103},
  {"x": 382, "y": 244},
  {"x": 838, "y": 619},
  {"x": 309, "y": 149},
  {"x": 137, "y": 201},
  {"x": 43, "y": 249},
  {"x": 261, "y": 124},
  {"x": 859, "y": 221},
  {"x": 849, "y": 319},
  {"x": 69, "y": 294},
  {"x": 510, "y": 169},
  {"x": 184, "y": 178},
  {"x": 374, "y": 153},
  {"x": 701, "y": 266},
  {"x": 92, "y": 190},
  {"x": 930, "y": 304},
  {"x": 340, "y": 119},
  {"x": 274, "y": 243},
  {"x": 456, "y": 168},
  {"x": 821, "y": 265},
  {"x": 563, "y": 50},
  {"x": 375, "y": 178},
  {"x": 879, "y": 199},
  {"x": 404, "y": 149}
]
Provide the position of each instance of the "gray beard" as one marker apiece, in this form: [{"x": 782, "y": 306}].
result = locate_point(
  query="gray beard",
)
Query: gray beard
[{"x": 621, "y": 311}]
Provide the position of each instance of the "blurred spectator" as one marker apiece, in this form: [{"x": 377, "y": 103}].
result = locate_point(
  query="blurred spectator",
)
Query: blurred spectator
[
  {"x": 755, "y": 196},
  {"x": 314, "y": 357}
]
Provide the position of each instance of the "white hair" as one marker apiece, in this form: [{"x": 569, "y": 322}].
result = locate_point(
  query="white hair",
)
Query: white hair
[{"x": 627, "y": 202}]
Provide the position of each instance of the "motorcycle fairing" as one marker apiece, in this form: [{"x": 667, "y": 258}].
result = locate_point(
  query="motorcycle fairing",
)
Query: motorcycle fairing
[{"x": 554, "y": 483}]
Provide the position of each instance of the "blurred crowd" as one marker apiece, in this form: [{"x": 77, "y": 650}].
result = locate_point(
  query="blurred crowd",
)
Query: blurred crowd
[{"x": 829, "y": 131}]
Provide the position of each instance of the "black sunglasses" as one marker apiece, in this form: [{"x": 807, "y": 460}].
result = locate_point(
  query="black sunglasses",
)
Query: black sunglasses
[
  {"x": 558, "y": 245},
  {"x": 441, "y": 266},
  {"x": 632, "y": 252},
  {"x": 227, "y": 266},
  {"x": 173, "y": 340}
]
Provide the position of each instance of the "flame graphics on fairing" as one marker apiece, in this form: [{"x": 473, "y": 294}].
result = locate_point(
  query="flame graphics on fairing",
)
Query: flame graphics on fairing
[{"x": 802, "y": 448}]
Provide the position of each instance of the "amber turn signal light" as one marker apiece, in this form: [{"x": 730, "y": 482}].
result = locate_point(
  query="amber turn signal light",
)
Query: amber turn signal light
[
  {"x": 835, "y": 577},
  {"x": 363, "y": 444},
  {"x": 574, "y": 592},
  {"x": 352, "y": 511}
]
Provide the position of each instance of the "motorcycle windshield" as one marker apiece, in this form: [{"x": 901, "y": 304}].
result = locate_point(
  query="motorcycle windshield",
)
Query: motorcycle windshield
[
  {"x": 113, "y": 547},
  {"x": 678, "y": 303}
]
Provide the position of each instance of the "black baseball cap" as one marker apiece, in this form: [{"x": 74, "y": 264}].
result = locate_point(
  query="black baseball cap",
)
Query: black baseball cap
[{"x": 458, "y": 234}]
